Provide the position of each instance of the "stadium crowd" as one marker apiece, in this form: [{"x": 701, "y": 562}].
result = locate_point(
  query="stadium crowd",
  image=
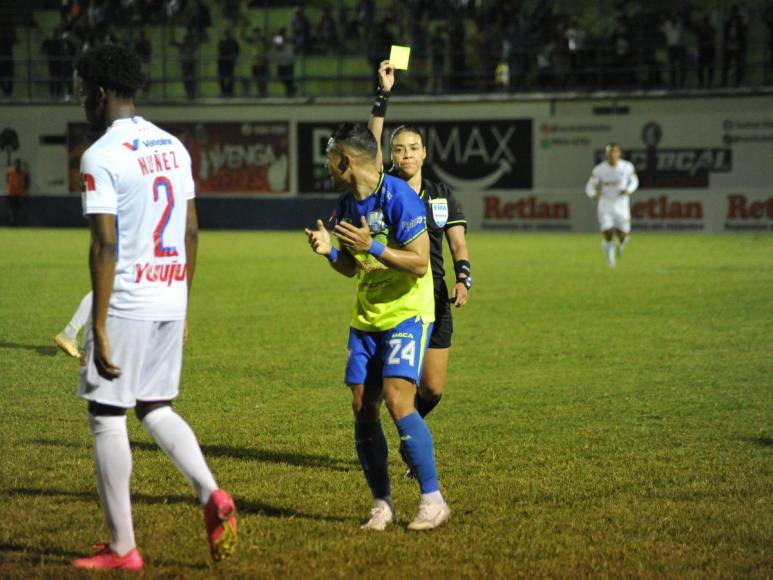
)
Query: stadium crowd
[{"x": 457, "y": 46}]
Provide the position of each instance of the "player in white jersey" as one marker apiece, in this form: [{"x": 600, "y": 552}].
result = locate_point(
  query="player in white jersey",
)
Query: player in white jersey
[
  {"x": 611, "y": 183},
  {"x": 138, "y": 195},
  {"x": 67, "y": 340}
]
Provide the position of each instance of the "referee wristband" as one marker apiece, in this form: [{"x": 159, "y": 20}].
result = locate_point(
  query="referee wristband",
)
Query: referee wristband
[
  {"x": 376, "y": 248},
  {"x": 462, "y": 267},
  {"x": 380, "y": 104},
  {"x": 463, "y": 273},
  {"x": 333, "y": 255}
]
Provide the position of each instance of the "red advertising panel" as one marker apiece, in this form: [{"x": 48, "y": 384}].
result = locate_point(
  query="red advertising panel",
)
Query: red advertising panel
[{"x": 229, "y": 158}]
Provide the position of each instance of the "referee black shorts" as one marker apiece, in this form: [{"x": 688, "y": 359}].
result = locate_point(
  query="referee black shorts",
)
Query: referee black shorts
[{"x": 443, "y": 327}]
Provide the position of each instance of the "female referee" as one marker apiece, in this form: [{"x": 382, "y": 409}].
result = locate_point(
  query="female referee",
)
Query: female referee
[{"x": 444, "y": 216}]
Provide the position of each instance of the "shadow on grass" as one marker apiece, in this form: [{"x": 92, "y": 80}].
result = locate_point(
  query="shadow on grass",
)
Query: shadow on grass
[
  {"x": 20, "y": 554},
  {"x": 248, "y": 453},
  {"x": 243, "y": 506},
  {"x": 43, "y": 350},
  {"x": 36, "y": 554},
  {"x": 762, "y": 441}
]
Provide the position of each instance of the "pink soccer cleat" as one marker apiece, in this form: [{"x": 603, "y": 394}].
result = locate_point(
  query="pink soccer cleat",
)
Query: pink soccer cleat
[
  {"x": 220, "y": 520},
  {"x": 106, "y": 559}
]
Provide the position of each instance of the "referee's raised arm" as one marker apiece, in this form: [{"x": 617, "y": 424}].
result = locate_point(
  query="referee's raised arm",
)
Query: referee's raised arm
[{"x": 386, "y": 80}]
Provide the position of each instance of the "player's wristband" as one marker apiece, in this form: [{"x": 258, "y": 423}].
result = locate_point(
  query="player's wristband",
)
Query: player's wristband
[
  {"x": 333, "y": 255},
  {"x": 380, "y": 104},
  {"x": 463, "y": 267},
  {"x": 376, "y": 248}
]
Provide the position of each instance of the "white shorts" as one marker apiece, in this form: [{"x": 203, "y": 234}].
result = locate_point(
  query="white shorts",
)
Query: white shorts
[
  {"x": 615, "y": 216},
  {"x": 149, "y": 355}
]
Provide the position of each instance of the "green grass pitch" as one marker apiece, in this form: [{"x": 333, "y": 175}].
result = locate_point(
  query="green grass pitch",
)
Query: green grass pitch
[{"x": 596, "y": 423}]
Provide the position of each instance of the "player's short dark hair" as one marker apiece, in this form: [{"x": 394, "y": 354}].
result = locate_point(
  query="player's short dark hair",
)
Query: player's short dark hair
[
  {"x": 406, "y": 129},
  {"x": 112, "y": 67},
  {"x": 355, "y": 136},
  {"x": 611, "y": 146}
]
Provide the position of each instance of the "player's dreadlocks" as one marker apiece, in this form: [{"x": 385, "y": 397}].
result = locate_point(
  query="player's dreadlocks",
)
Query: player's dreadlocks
[{"x": 113, "y": 68}]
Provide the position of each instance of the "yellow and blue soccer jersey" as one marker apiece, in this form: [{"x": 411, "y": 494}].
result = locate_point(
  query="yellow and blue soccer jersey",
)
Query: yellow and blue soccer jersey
[{"x": 396, "y": 217}]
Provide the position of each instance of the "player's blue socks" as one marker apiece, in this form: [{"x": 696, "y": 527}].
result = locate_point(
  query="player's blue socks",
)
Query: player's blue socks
[
  {"x": 417, "y": 444},
  {"x": 372, "y": 451}
]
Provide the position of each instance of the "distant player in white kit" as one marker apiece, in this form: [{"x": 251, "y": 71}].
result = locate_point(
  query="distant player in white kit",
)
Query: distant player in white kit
[
  {"x": 67, "y": 340},
  {"x": 611, "y": 183},
  {"x": 138, "y": 195}
]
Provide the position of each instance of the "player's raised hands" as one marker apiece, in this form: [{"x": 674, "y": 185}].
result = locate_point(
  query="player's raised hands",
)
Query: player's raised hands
[
  {"x": 352, "y": 237},
  {"x": 105, "y": 367},
  {"x": 319, "y": 239},
  {"x": 386, "y": 75}
]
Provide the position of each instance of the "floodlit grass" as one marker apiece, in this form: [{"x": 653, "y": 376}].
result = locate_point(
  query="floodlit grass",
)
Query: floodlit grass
[{"x": 596, "y": 423}]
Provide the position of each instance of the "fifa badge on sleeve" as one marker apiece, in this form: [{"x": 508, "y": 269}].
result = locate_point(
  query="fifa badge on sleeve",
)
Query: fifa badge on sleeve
[{"x": 439, "y": 211}]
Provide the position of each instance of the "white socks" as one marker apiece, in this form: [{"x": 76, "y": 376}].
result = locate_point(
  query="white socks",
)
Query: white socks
[
  {"x": 434, "y": 497},
  {"x": 79, "y": 319},
  {"x": 113, "y": 460},
  {"x": 609, "y": 252},
  {"x": 178, "y": 441}
]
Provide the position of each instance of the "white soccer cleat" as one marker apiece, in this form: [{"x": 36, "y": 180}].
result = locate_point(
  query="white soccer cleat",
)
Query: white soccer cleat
[
  {"x": 430, "y": 516},
  {"x": 381, "y": 515},
  {"x": 68, "y": 346}
]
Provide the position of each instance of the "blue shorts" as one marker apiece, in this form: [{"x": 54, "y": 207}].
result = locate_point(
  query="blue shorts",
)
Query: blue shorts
[{"x": 398, "y": 352}]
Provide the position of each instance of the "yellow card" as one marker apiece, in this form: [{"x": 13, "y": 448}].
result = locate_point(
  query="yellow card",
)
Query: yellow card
[{"x": 399, "y": 56}]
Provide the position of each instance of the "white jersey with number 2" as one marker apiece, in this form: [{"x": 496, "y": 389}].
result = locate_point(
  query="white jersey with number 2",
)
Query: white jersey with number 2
[{"x": 142, "y": 175}]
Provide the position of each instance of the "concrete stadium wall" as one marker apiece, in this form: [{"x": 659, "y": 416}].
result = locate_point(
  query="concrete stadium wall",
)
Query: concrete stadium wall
[{"x": 704, "y": 162}]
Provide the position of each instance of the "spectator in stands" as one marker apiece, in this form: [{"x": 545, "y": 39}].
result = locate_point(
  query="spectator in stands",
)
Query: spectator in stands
[
  {"x": 52, "y": 49},
  {"x": 285, "y": 63},
  {"x": 227, "y": 53},
  {"x": 260, "y": 68},
  {"x": 349, "y": 27},
  {"x": 735, "y": 36},
  {"x": 231, "y": 11},
  {"x": 366, "y": 18},
  {"x": 623, "y": 74},
  {"x": 326, "y": 34},
  {"x": 189, "y": 49},
  {"x": 515, "y": 51},
  {"x": 7, "y": 42},
  {"x": 438, "y": 50},
  {"x": 98, "y": 17},
  {"x": 706, "y": 35},
  {"x": 456, "y": 44},
  {"x": 574, "y": 37},
  {"x": 380, "y": 40},
  {"x": 769, "y": 23},
  {"x": 673, "y": 30},
  {"x": 260, "y": 43},
  {"x": 201, "y": 19},
  {"x": 418, "y": 27},
  {"x": 65, "y": 6},
  {"x": 69, "y": 52},
  {"x": 299, "y": 31},
  {"x": 17, "y": 183},
  {"x": 546, "y": 64},
  {"x": 144, "y": 49}
]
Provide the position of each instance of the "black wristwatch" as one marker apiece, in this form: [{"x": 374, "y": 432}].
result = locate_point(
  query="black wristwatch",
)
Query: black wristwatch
[{"x": 467, "y": 281}]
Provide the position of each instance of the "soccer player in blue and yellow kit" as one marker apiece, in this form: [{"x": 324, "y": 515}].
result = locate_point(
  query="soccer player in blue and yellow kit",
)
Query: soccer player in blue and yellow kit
[{"x": 381, "y": 227}]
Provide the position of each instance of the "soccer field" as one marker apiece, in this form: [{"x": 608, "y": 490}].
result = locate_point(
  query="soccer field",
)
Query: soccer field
[{"x": 596, "y": 422}]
